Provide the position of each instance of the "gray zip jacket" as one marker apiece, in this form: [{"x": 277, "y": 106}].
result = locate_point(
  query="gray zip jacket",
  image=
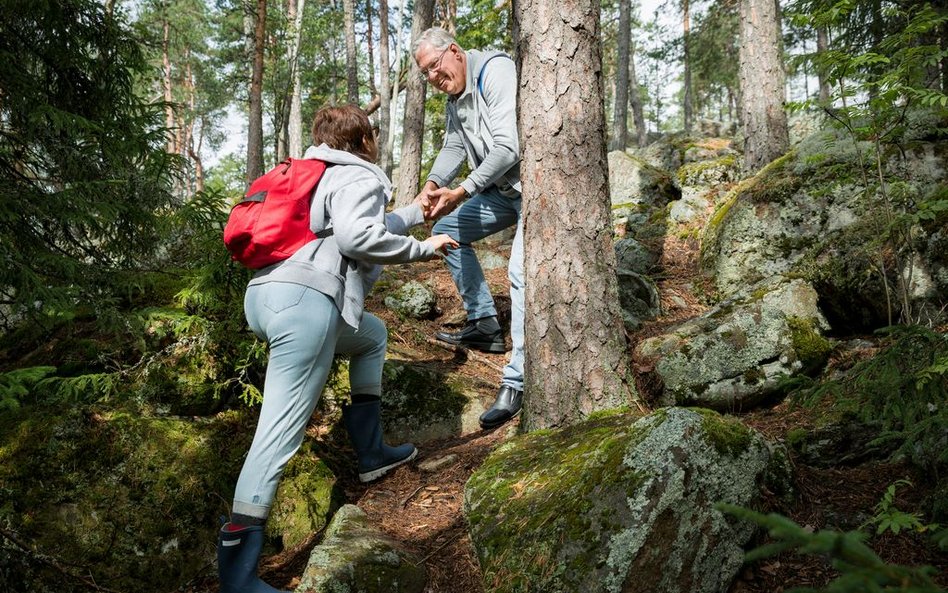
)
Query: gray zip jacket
[
  {"x": 482, "y": 126},
  {"x": 350, "y": 199}
]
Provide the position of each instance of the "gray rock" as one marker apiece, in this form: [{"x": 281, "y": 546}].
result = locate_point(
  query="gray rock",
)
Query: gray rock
[
  {"x": 491, "y": 260},
  {"x": 617, "y": 505},
  {"x": 634, "y": 256},
  {"x": 733, "y": 356},
  {"x": 635, "y": 185},
  {"x": 413, "y": 299},
  {"x": 355, "y": 557},
  {"x": 638, "y": 297}
]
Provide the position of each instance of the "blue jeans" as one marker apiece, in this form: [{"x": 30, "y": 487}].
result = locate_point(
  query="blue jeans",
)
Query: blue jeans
[
  {"x": 482, "y": 215},
  {"x": 304, "y": 330}
]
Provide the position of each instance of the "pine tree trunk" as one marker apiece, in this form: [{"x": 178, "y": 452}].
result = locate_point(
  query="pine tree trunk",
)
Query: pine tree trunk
[
  {"x": 352, "y": 68},
  {"x": 689, "y": 101},
  {"x": 172, "y": 146},
  {"x": 385, "y": 94},
  {"x": 255, "y": 120},
  {"x": 577, "y": 359},
  {"x": 409, "y": 168},
  {"x": 393, "y": 102},
  {"x": 822, "y": 44},
  {"x": 620, "y": 115},
  {"x": 635, "y": 101},
  {"x": 371, "y": 46},
  {"x": 294, "y": 130},
  {"x": 762, "y": 84}
]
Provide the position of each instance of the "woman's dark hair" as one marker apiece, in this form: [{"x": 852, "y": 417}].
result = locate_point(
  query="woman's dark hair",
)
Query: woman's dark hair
[{"x": 345, "y": 128}]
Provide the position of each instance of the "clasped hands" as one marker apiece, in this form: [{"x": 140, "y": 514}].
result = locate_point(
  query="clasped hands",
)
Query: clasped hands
[{"x": 435, "y": 202}]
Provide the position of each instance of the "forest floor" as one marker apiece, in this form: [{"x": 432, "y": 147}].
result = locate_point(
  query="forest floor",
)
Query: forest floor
[{"x": 423, "y": 509}]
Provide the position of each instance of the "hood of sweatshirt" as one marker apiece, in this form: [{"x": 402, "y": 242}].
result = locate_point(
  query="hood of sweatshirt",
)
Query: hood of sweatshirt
[{"x": 340, "y": 157}]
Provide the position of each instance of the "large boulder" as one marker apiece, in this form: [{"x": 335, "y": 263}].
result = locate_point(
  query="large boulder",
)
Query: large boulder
[
  {"x": 809, "y": 214},
  {"x": 307, "y": 497},
  {"x": 355, "y": 557},
  {"x": 617, "y": 504},
  {"x": 637, "y": 188},
  {"x": 638, "y": 297},
  {"x": 733, "y": 356}
]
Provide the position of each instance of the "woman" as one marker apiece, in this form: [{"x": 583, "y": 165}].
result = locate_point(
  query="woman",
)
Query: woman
[{"x": 309, "y": 308}]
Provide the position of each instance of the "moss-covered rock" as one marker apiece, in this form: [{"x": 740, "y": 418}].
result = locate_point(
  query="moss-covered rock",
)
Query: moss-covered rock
[
  {"x": 412, "y": 299},
  {"x": 637, "y": 188},
  {"x": 638, "y": 297},
  {"x": 307, "y": 497},
  {"x": 131, "y": 498},
  {"x": 354, "y": 557},
  {"x": 616, "y": 503},
  {"x": 734, "y": 355},
  {"x": 421, "y": 404}
]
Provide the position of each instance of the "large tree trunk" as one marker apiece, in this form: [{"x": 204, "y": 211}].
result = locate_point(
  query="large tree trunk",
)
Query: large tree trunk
[
  {"x": 295, "y": 125},
  {"x": 620, "y": 115},
  {"x": 689, "y": 101},
  {"x": 385, "y": 93},
  {"x": 409, "y": 168},
  {"x": 822, "y": 44},
  {"x": 352, "y": 68},
  {"x": 762, "y": 84},
  {"x": 255, "y": 119},
  {"x": 577, "y": 359},
  {"x": 635, "y": 101}
]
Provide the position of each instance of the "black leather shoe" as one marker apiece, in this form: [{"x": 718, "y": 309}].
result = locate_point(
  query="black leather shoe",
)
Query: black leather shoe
[
  {"x": 471, "y": 336},
  {"x": 508, "y": 404}
]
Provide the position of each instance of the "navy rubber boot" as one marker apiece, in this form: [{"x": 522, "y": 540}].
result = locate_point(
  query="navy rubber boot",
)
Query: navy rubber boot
[
  {"x": 237, "y": 555},
  {"x": 363, "y": 421}
]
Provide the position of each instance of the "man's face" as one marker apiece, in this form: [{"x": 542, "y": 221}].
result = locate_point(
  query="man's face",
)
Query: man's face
[{"x": 443, "y": 69}]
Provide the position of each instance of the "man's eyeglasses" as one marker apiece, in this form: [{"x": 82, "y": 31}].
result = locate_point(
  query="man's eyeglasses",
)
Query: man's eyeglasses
[{"x": 426, "y": 72}]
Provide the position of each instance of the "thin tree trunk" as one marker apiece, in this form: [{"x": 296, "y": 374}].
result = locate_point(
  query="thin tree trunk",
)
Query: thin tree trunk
[
  {"x": 376, "y": 102},
  {"x": 409, "y": 168},
  {"x": 620, "y": 113},
  {"x": 371, "y": 46},
  {"x": 393, "y": 106},
  {"x": 577, "y": 359},
  {"x": 255, "y": 119},
  {"x": 172, "y": 145},
  {"x": 295, "y": 125},
  {"x": 635, "y": 100},
  {"x": 352, "y": 68},
  {"x": 689, "y": 102},
  {"x": 385, "y": 93},
  {"x": 822, "y": 44},
  {"x": 762, "y": 84}
]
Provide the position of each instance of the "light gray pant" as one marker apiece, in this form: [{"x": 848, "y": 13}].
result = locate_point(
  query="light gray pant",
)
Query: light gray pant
[{"x": 304, "y": 330}]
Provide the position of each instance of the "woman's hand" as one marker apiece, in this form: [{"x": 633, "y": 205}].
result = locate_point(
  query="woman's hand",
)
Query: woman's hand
[{"x": 441, "y": 243}]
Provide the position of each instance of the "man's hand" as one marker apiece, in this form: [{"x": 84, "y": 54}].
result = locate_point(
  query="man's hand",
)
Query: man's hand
[
  {"x": 444, "y": 200},
  {"x": 424, "y": 199}
]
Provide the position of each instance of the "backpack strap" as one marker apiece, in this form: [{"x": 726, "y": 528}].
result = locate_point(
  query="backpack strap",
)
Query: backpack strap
[{"x": 480, "y": 74}]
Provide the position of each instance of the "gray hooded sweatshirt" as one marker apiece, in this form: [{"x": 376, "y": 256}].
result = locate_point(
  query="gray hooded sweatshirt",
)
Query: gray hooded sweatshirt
[
  {"x": 350, "y": 199},
  {"x": 482, "y": 126}
]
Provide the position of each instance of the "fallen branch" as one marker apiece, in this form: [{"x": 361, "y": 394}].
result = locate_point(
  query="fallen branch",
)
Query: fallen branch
[
  {"x": 52, "y": 562},
  {"x": 470, "y": 353}
]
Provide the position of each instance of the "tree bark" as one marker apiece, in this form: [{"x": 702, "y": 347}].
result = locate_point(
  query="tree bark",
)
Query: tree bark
[
  {"x": 385, "y": 92},
  {"x": 577, "y": 359},
  {"x": 822, "y": 44},
  {"x": 635, "y": 100},
  {"x": 371, "y": 46},
  {"x": 255, "y": 120},
  {"x": 762, "y": 84},
  {"x": 295, "y": 125},
  {"x": 352, "y": 67},
  {"x": 414, "y": 126},
  {"x": 399, "y": 76},
  {"x": 686, "y": 59},
  {"x": 172, "y": 145},
  {"x": 620, "y": 113}
]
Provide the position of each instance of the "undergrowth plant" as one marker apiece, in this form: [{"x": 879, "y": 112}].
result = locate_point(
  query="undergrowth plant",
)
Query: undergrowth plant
[{"x": 860, "y": 568}]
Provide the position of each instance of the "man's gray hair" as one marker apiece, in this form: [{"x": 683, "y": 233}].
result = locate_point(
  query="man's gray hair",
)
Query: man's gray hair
[{"x": 436, "y": 37}]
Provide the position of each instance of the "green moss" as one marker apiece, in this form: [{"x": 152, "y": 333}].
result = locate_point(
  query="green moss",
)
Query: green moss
[
  {"x": 754, "y": 376},
  {"x": 540, "y": 489},
  {"x": 418, "y": 393},
  {"x": 728, "y": 436},
  {"x": 307, "y": 497},
  {"x": 811, "y": 348},
  {"x": 692, "y": 173}
]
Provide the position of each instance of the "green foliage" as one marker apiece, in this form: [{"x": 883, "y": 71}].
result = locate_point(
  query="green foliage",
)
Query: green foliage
[
  {"x": 16, "y": 384},
  {"x": 903, "y": 389},
  {"x": 861, "y": 570},
  {"x": 83, "y": 180},
  {"x": 888, "y": 517}
]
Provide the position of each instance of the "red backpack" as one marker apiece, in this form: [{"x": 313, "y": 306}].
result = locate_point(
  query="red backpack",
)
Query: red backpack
[{"x": 272, "y": 221}]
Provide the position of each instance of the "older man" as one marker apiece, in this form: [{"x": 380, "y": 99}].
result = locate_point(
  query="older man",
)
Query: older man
[{"x": 481, "y": 128}]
